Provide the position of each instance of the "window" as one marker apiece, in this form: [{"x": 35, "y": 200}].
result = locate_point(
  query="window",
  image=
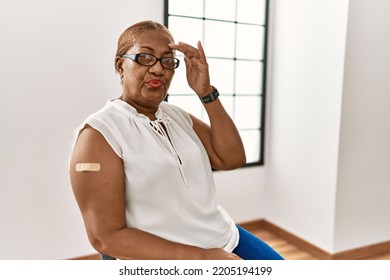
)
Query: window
[{"x": 234, "y": 36}]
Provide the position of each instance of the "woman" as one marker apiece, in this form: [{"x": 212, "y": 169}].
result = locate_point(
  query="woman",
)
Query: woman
[{"x": 141, "y": 169}]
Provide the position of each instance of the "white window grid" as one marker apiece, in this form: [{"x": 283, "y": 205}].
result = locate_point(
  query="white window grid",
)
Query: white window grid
[{"x": 234, "y": 36}]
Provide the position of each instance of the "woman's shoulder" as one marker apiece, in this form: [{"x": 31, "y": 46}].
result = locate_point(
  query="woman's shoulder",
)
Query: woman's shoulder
[{"x": 103, "y": 122}]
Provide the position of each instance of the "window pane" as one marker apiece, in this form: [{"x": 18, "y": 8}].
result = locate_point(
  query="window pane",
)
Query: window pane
[
  {"x": 248, "y": 77},
  {"x": 180, "y": 7},
  {"x": 222, "y": 75},
  {"x": 251, "y": 140},
  {"x": 179, "y": 28},
  {"x": 179, "y": 83},
  {"x": 221, "y": 9},
  {"x": 247, "y": 112},
  {"x": 219, "y": 39},
  {"x": 250, "y": 41},
  {"x": 251, "y": 11}
]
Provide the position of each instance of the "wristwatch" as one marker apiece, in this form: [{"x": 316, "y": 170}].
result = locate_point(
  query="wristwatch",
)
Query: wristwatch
[{"x": 211, "y": 97}]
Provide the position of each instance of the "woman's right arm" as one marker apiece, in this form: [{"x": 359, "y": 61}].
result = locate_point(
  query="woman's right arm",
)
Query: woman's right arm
[{"x": 101, "y": 199}]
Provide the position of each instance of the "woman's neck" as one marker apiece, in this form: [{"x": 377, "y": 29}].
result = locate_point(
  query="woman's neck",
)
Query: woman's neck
[{"x": 150, "y": 112}]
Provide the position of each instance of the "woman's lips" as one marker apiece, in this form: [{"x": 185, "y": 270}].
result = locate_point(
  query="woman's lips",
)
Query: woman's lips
[{"x": 155, "y": 83}]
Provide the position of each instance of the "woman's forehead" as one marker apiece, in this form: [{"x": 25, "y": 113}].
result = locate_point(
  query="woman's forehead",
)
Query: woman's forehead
[
  {"x": 152, "y": 40},
  {"x": 153, "y": 37}
]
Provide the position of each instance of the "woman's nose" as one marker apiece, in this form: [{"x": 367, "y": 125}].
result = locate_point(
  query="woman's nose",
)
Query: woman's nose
[{"x": 157, "y": 68}]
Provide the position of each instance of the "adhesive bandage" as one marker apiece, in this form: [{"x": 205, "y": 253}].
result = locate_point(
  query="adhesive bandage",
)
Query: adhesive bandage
[{"x": 80, "y": 167}]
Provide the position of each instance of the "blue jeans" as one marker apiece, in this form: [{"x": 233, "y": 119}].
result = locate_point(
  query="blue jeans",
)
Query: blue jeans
[{"x": 249, "y": 248}]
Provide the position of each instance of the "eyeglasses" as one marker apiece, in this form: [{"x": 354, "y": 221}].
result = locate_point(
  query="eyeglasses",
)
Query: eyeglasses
[{"x": 146, "y": 59}]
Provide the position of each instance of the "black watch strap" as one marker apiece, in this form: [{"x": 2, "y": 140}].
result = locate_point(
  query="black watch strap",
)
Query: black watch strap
[{"x": 211, "y": 97}]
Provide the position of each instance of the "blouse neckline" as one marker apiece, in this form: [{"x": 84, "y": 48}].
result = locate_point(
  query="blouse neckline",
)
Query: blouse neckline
[{"x": 130, "y": 111}]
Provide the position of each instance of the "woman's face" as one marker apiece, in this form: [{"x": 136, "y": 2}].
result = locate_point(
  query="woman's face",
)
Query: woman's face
[{"x": 145, "y": 87}]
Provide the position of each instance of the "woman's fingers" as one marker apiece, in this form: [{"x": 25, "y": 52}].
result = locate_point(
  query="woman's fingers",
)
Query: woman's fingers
[{"x": 188, "y": 50}]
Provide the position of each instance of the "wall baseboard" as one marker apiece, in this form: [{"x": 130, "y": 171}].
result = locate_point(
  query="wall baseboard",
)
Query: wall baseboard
[
  {"x": 353, "y": 254},
  {"x": 363, "y": 252}
]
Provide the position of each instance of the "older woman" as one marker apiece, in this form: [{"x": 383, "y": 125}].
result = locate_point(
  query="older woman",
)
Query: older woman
[{"x": 141, "y": 169}]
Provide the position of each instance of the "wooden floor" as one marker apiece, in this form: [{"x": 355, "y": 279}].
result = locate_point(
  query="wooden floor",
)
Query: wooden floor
[
  {"x": 283, "y": 247},
  {"x": 292, "y": 252}
]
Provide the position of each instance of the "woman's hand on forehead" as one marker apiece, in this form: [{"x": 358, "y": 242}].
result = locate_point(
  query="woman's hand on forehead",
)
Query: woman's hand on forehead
[
  {"x": 196, "y": 66},
  {"x": 188, "y": 50}
]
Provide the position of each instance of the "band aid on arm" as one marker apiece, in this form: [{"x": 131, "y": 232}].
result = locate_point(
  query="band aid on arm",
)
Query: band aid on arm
[{"x": 80, "y": 167}]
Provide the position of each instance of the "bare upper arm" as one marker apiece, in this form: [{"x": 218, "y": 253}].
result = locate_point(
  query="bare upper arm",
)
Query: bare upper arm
[{"x": 99, "y": 194}]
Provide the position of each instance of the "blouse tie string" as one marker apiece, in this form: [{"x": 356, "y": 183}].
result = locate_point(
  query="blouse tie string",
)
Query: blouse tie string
[{"x": 160, "y": 126}]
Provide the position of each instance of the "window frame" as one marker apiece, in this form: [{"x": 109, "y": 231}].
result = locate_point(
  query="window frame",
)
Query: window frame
[{"x": 263, "y": 93}]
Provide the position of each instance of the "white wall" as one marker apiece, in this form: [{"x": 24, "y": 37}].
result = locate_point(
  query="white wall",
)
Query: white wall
[
  {"x": 363, "y": 188},
  {"x": 242, "y": 193},
  {"x": 56, "y": 67},
  {"x": 328, "y": 175},
  {"x": 307, "y": 76}
]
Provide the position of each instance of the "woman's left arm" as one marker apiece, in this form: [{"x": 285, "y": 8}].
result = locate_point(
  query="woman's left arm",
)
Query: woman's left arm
[{"x": 221, "y": 139}]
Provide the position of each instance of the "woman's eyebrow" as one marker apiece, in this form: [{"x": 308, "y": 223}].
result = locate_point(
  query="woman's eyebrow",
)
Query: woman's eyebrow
[{"x": 146, "y": 47}]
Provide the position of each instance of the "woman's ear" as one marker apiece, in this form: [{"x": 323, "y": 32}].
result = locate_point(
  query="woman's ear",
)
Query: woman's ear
[
  {"x": 118, "y": 67},
  {"x": 118, "y": 63}
]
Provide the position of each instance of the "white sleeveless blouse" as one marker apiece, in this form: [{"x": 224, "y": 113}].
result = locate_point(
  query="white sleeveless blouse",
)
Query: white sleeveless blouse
[{"x": 170, "y": 189}]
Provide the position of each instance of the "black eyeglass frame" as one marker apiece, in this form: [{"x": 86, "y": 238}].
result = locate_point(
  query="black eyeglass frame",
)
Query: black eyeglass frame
[{"x": 136, "y": 56}]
